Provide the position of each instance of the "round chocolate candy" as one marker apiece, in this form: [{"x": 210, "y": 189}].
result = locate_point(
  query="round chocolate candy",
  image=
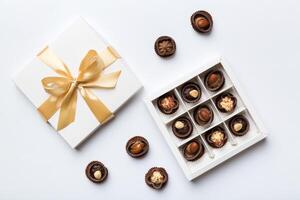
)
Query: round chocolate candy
[
  {"x": 226, "y": 102},
  {"x": 96, "y": 172},
  {"x": 203, "y": 115},
  {"x": 165, "y": 46},
  {"x": 202, "y": 21},
  {"x": 214, "y": 80},
  {"x": 193, "y": 150},
  {"x": 137, "y": 146},
  {"x": 182, "y": 127},
  {"x": 168, "y": 103},
  {"x": 239, "y": 125},
  {"x": 216, "y": 137},
  {"x": 156, "y": 178},
  {"x": 191, "y": 92}
]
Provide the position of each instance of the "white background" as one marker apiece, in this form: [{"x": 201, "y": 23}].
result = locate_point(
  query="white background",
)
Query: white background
[{"x": 260, "y": 39}]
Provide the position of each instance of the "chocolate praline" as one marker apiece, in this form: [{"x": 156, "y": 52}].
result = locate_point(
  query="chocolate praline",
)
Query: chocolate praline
[
  {"x": 216, "y": 137},
  {"x": 168, "y": 103},
  {"x": 202, "y": 21},
  {"x": 182, "y": 127},
  {"x": 203, "y": 115},
  {"x": 165, "y": 46},
  {"x": 226, "y": 102},
  {"x": 214, "y": 80},
  {"x": 239, "y": 125},
  {"x": 193, "y": 150},
  {"x": 137, "y": 146},
  {"x": 191, "y": 92},
  {"x": 156, "y": 178},
  {"x": 96, "y": 172}
]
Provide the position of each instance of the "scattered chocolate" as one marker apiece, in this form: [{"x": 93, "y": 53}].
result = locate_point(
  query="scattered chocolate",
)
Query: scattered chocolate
[
  {"x": 168, "y": 103},
  {"x": 191, "y": 92},
  {"x": 202, "y": 21},
  {"x": 226, "y": 102},
  {"x": 216, "y": 137},
  {"x": 156, "y": 177},
  {"x": 165, "y": 46},
  {"x": 137, "y": 146},
  {"x": 239, "y": 125},
  {"x": 193, "y": 150},
  {"x": 214, "y": 80},
  {"x": 182, "y": 127},
  {"x": 203, "y": 115},
  {"x": 96, "y": 172}
]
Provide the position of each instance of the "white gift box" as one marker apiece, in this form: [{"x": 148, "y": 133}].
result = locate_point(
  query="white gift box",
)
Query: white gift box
[
  {"x": 212, "y": 156},
  {"x": 71, "y": 46}
]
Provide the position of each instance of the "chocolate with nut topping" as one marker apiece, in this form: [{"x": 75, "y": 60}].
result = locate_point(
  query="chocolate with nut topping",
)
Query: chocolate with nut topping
[
  {"x": 239, "y": 125},
  {"x": 193, "y": 150},
  {"x": 96, "y": 172},
  {"x": 226, "y": 102},
  {"x": 191, "y": 92},
  {"x": 156, "y": 177},
  {"x": 165, "y": 46},
  {"x": 203, "y": 115},
  {"x": 214, "y": 80},
  {"x": 137, "y": 146},
  {"x": 182, "y": 127},
  {"x": 216, "y": 137},
  {"x": 168, "y": 103},
  {"x": 202, "y": 21}
]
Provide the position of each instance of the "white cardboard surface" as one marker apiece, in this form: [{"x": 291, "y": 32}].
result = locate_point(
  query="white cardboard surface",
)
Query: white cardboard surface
[{"x": 71, "y": 46}]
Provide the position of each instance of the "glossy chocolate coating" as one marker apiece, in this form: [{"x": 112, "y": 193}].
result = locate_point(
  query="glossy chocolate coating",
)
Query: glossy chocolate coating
[
  {"x": 156, "y": 178},
  {"x": 239, "y": 125},
  {"x": 168, "y": 103},
  {"x": 214, "y": 80},
  {"x": 92, "y": 168},
  {"x": 182, "y": 127},
  {"x": 202, "y": 21},
  {"x": 226, "y": 102},
  {"x": 191, "y": 92},
  {"x": 165, "y": 46},
  {"x": 137, "y": 146},
  {"x": 216, "y": 137},
  {"x": 203, "y": 115},
  {"x": 193, "y": 150}
]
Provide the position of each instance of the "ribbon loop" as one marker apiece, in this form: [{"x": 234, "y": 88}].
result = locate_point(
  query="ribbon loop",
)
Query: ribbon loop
[{"x": 63, "y": 89}]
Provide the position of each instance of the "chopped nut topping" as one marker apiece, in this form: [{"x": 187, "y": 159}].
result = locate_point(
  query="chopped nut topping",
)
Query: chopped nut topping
[
  {"x": 179, "y": 124},
  {"x": 227, "y": 103},
  {"x": 168, "y": 103},
  {"x": 237, "y": 126},
  {"x": 157, "y": 177},
  {"x": 194, "y": 93},
  {"x": 217, "y": 137}
]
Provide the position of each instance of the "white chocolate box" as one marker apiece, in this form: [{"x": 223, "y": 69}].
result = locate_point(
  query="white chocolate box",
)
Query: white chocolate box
[
  {"x": 212, "y": 156},
  {"x": 71, "y": 46}
]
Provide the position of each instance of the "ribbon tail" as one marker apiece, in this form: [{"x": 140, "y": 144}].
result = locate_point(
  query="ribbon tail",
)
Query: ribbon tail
[
  {"x": 100, "y": 111},
  {"x": 68, "y": 109},
  {"x": 50, "y": 107}
]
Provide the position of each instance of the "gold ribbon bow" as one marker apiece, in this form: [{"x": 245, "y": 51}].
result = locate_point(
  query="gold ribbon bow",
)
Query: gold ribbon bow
[{"x": 63, "y": 89}]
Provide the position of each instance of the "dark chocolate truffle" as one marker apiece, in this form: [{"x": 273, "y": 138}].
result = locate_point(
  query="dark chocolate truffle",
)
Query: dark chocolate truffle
[
  {"x": 156, "y": 177},
  {"x": 191, "y": 92},
  {"x": 214, "y": 80},
  {"x": 96, "y": 172},
  {"x": 216, "y": 137},
  {"x": 137, "y": 147},
  {"x": 226, "y": 102},
  {"x": 202, "y": 21},
  {"x": 182, "y": 127},
  {"x": 193, "y": 150},
  {"x": 239, "y": 125},
  {"x": 165, "y": 46},
  {"x": 203, "y": 115},
  {"x": 168, "y": 103}
]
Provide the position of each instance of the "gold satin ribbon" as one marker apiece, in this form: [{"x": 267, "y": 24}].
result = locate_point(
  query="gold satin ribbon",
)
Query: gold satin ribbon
[{"x": 63, "y": 89}]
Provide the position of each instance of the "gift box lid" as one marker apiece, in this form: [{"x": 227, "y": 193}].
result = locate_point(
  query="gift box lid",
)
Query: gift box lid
[{"x": 71, "y": 46}]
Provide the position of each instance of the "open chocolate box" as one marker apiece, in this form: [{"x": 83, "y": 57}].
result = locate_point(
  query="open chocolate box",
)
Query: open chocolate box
[{"x": 205, "y": 118}]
